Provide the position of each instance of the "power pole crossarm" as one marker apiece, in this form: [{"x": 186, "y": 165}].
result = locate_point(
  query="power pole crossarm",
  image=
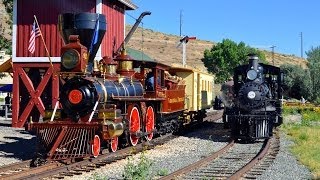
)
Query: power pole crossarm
[{"x": 184, "y": 42}]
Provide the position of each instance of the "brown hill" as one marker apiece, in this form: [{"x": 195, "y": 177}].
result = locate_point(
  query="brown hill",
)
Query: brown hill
[{"x": 163, "y": 47}]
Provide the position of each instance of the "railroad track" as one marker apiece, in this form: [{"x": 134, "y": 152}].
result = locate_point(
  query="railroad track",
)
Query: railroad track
[
  {"x": 232, "y": 162},
  {"x": 22, "y": 170}
]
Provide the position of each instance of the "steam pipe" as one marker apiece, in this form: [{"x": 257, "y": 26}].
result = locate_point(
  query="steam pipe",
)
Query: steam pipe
[{"x": 132, "y": 30}]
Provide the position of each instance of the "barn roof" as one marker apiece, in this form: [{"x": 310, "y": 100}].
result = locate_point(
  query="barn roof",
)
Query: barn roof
[{"x": 129, "y": 4}]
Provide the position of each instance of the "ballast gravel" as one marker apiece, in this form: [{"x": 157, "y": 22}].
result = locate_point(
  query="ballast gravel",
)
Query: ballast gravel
[
  {"x": 17, "y": 145},
  {"x": 286, "y": 166}
]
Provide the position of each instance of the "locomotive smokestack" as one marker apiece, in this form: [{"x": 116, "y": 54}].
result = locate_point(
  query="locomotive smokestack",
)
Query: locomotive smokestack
[
  {"x": 253, "y": 61},
  {"x": 84, "y": 25}
]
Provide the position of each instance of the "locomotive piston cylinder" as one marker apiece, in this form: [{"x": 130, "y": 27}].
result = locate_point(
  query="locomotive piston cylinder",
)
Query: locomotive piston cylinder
[{"x": 113, "y": 129}]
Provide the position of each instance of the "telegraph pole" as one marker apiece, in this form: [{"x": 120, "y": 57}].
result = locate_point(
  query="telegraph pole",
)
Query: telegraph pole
[
  {"x": 184, "y": 42},
  {"x": 180, "y": 22},
  {"x": 301, "y": 41},
  {"x": 272, "y": 47}
]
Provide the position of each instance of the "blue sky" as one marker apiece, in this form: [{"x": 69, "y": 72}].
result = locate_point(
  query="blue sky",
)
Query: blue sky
[{"x": 257, "y": 23}]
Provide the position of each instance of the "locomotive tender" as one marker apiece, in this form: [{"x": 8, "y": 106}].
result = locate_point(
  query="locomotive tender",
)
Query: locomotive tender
[
  {"x": 253, "y": 100},
  {"x": 108, "y": 103}
]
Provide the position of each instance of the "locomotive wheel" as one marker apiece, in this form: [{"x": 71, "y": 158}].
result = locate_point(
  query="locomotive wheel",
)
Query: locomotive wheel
[
  {"x": 150, "y": 123},
  {"x": 113, "y": 146},
  {"x": 95, "y": 147},
  {"x": 134, "y": 124}
]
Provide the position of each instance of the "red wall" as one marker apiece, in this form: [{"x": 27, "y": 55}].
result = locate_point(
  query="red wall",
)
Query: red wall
[
  {"x": 115, "y": 27},
  {"x": 47, "y": 12}
]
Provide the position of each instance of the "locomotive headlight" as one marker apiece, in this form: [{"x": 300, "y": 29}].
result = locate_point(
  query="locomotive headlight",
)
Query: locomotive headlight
[
  {"x": 252, "y": 74},
  {"x": 70, "y": 59},
  {"x": 251, "y": 94}
]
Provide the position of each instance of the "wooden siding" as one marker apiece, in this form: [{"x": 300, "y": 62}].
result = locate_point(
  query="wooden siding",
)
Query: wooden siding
[
  {"x": 47, "y": 14},
  {"x": 115, "y": 27}
]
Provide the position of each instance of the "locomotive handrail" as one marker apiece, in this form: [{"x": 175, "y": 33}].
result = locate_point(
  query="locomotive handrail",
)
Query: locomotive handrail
[{"x": 54, "y": 111}]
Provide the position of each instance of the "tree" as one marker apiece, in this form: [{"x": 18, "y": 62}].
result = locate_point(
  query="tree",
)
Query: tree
[
  {"x": 313, "y": 57},
  {"x": 223, "y": 57},
  {"x": 5, "y": 43},
  {"x": 297, "y": 82}
]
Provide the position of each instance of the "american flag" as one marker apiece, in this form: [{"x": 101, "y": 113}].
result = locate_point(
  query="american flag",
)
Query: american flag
[{"x": 35, "y": 32}]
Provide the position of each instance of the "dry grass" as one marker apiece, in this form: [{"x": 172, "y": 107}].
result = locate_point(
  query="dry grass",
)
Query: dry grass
[{"x": 163, "y": 48}]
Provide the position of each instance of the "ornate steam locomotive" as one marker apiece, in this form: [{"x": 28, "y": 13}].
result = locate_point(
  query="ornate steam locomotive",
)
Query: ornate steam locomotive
[
  {"x": 107, "y": 103},
  {"x": 253, "y": 100}
]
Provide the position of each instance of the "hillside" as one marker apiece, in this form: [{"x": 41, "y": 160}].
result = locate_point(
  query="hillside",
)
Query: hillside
[{"x": 163, "y": 48}]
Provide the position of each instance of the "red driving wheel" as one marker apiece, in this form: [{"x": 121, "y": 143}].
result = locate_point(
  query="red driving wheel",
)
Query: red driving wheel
[
  {"x": 150, "y": 123},
  {"x": 95, "y": 147},
  {"x": 134, "y": 124},
  {"x": 114, "y": 144}
]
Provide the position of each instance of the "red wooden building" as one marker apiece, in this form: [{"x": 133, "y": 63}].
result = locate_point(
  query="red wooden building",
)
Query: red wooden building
[{"x": 35, "y": 83}]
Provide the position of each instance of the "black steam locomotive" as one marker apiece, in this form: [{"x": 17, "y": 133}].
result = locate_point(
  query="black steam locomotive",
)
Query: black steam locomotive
[{"x": 254, "y": 106}]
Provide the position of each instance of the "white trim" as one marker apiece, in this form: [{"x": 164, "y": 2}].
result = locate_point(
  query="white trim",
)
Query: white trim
[
  {"x": 98, "y": 10},
  {"x": 36, "y": 59},
  {"x": 129, "y": 4},
  {"x": 99, "y": 6},
  {"x": 14, "y": 30}
]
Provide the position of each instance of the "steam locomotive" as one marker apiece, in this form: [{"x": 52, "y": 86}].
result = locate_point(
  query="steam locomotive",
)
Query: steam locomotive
[
  {"x": 107, "y": 103},
  {"x": 253, "y": 100}
]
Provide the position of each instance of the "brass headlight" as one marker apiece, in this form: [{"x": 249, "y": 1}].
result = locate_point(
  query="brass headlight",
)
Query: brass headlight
[{"x": 70, "y": 59}]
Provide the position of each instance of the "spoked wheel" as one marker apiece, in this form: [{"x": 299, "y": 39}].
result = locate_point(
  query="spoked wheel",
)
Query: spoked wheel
[
  {"x": 134, "y": 124},
  {"x": 113, "y": 146},
  {"x": 95, "y": 147},
  {"x": 150, "y": 123}
]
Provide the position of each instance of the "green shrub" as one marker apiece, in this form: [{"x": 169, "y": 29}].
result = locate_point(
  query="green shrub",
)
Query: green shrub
[
  {"x": 309, "y": 117},
  {"x": 137, "y": 171}
]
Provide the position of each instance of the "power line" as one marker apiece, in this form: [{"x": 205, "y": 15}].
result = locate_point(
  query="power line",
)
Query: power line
[
  {"x": 131, "y": 16},
  {"x": 301, "y": 44},
  {"x": 180, "y": 21}
]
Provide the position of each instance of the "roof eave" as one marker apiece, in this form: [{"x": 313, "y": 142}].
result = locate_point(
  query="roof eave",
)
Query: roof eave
[{"x": 128, "y": 4}]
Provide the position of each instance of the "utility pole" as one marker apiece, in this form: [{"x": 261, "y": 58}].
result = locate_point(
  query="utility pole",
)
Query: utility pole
[
  {"x": 180, "y": 22},
  {"x": 272, "y": 47},
  {"x": 301, "y": 41},
  {"x": 184, "y": 42}
]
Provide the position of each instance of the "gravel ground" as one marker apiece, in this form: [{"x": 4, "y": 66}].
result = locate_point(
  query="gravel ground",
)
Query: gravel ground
[
  {"x": 167, "y": 158},
  {"x": 16, "y": 144},
  {"x": 182, "y": 151},
  {"x": 285, "y": 166}
]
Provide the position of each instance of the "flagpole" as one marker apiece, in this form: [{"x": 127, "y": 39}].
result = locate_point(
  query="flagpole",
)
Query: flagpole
[{"x": 45, "y": 46}]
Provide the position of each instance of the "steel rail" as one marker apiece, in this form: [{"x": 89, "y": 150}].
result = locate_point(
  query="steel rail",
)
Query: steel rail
[{"x": 200, "y": 163}]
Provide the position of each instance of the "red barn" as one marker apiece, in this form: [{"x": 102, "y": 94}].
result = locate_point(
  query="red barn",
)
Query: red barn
[{"x": 34, "y": 78}]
